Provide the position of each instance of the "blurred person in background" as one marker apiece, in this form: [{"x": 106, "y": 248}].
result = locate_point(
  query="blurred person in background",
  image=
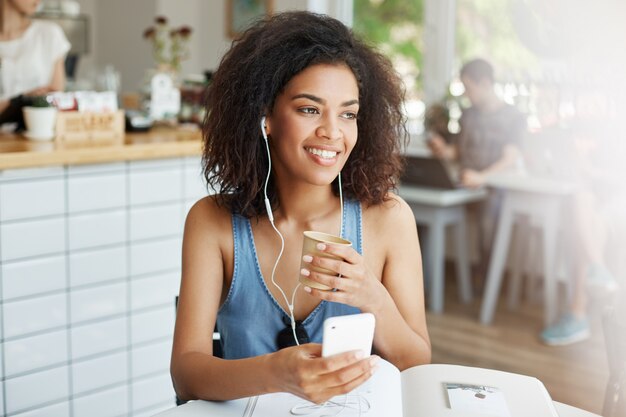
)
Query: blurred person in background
[
  {"x": 592, "y": 152},
  {"x": 488, "y": 142},
  {"x": 32, "y": 56},
  {"x": 491, "y": 130}
]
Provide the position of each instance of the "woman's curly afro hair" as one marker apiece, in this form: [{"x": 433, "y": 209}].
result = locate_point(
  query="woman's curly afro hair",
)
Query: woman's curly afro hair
[{"x": 256, "y": 70}]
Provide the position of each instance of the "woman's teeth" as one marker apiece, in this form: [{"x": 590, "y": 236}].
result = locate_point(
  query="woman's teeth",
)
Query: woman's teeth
[{"x": 322, "y": 153}]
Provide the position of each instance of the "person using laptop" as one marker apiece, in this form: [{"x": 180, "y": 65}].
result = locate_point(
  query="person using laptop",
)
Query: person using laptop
[
  {"x": 488, "y": 141},
  {"x": 490, "y": 133}
]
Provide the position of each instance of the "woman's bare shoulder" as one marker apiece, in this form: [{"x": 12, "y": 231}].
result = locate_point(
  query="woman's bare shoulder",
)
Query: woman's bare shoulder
[
  {"x": 390, "y": 220},
  {"x": 208, "y": 214},
  {"x": 393, "y": 210}
]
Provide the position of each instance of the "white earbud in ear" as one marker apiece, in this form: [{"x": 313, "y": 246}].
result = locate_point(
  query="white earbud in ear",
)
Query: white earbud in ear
[{"x": 263, "y": 128}]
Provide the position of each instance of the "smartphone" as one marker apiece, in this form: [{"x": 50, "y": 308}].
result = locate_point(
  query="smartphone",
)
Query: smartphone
[{"x": 347, "y": 333}]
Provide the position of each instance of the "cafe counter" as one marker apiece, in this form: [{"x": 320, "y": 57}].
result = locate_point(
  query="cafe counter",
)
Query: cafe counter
[
  {"x": 90, "y": 248},
  {"x": 18, "y": 152}
]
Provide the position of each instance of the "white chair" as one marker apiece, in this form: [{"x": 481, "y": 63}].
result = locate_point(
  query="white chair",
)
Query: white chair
[
  {"x": 527, "y": 260},
  {"x": 543, "y": 209},
  {"x": 437, "y": 209}
]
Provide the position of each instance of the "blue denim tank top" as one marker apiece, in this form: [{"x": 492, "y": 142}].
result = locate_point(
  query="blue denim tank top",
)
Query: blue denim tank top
[{"x": 250, "y": 317}]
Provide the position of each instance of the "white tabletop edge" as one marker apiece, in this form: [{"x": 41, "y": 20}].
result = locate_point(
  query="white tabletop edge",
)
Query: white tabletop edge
[
  {"x": 530, "y": 183},
  {"x": 440, "y": 197}
]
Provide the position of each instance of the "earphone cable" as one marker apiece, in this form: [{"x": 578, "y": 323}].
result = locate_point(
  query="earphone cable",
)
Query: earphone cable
[
  {"x": 340, "y": 205},
  {"x": 270, "y": 215},
  {"x": 301, "y": 409}
]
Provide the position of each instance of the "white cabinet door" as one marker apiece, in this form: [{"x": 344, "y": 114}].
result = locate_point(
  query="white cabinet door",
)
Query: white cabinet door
[
  {"x": 102, "y": 372},
  {"x": 34, "y": 315},
  {"x": 36, "y": 389},
  {"x": 29, "y": 199},
  {"x": 32, "y": 238}
]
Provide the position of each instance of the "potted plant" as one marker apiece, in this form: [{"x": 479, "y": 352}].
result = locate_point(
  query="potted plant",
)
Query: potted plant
[{"x": 40, "y": 119}]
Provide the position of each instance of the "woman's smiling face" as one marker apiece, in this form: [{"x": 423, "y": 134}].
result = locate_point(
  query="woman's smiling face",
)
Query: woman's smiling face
[{"x": 313, "y": 125}]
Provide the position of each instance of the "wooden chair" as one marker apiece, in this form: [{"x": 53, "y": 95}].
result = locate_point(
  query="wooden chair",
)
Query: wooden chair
[{"x": 615, "y": 338}]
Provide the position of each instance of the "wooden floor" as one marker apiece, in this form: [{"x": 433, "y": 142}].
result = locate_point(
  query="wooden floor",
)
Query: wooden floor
[{"x": 574, "y": 375}]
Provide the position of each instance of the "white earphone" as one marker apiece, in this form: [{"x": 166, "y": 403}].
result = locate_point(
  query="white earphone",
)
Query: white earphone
[
  {"x": 268, "y": 206},
  {"x": 263, "y": 131},
  {"x": 270, "y": 215}
]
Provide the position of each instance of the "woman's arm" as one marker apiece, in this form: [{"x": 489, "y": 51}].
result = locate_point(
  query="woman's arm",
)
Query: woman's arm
[
  {"x": 57, "y": 82},
  {"x": 403, "y": 335},
  {"x": 197, "y": 374},
  {"x": 397, "y": 298},
  {"x": 195, "y": 371}
]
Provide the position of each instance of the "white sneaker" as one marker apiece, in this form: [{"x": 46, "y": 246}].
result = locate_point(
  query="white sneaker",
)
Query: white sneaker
[{"x": 569, "y": 329}]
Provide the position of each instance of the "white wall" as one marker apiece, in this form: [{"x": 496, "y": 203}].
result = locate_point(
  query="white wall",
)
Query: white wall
[
  {"x": 194, "y": 16},
  {"x": 119, "y": 38},
  {"x": 87, "y": 63},
  {"x": 117, "y": 27}
]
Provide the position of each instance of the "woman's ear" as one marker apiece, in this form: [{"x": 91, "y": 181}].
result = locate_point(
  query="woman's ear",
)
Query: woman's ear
[{"x": 267, "y": 124}]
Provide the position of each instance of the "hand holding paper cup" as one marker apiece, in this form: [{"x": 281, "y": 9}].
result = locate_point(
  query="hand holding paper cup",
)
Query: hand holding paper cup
[{"x": 309, "y": 247}]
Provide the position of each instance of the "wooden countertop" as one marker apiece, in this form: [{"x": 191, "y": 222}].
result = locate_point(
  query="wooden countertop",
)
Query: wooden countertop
[{"x": 18, "y": 152}]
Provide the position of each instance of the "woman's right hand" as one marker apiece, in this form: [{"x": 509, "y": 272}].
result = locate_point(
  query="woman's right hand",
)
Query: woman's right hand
[{"x": 302, "y": 371}]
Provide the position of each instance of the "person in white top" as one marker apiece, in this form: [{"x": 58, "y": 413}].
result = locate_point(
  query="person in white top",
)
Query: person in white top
[{"x": 32, "y": 54}]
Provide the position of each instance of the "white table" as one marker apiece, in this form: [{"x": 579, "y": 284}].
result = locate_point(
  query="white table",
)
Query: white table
[
  {"x": 436, "y": 209},
  {"x": 222, "y": 409},
  {"x": 539, "y": 199}
]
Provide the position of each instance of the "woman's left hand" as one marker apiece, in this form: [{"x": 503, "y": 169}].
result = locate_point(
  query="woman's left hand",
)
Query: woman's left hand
[{"x": 354, "y": 283}]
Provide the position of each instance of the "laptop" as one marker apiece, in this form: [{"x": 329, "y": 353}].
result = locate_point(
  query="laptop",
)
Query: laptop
[{"x": 425, "y": 171}]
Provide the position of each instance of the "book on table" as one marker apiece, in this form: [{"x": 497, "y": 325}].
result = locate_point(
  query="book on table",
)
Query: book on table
[{"x": 421, "y": 391}]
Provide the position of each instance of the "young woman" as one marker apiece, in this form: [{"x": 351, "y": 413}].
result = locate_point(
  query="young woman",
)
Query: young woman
[
  {"x": 32, "y": 55},
  {"x": 328, "y": 105}
]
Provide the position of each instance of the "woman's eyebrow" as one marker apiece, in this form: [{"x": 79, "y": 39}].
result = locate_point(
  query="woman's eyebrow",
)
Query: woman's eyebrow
[{"x": 321, "y": 100}]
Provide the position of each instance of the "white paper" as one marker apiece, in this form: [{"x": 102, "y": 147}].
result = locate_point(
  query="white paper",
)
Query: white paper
[
  {"x": 488, "y": 401},
  {"x": 380, "y": 396}
]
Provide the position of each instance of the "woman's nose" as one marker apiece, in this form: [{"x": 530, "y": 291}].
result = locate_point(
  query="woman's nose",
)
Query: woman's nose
[{"x": 329, "y": 129}]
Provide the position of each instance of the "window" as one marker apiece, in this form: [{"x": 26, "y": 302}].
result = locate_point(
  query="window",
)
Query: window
[
  {"x": 395, "y": 28},
  {"x": 502, "y": 32}
]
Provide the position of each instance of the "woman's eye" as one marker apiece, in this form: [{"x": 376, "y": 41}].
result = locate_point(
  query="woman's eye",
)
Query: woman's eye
[
  {"x": 349, "y": 115},
  {"x": 309, "y": 110}
]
